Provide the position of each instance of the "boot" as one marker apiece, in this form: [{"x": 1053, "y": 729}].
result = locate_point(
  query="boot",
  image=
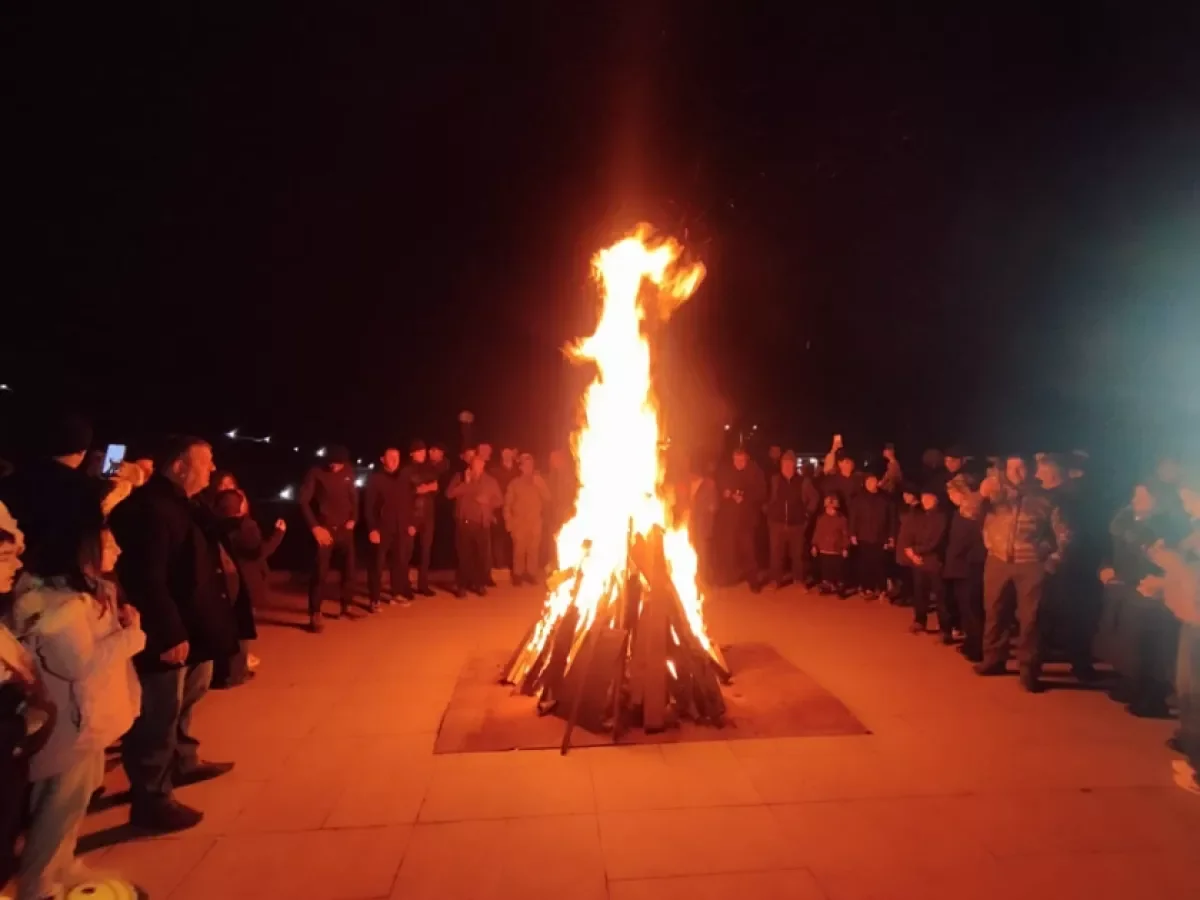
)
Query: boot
[{"x": 163, "y": 815}]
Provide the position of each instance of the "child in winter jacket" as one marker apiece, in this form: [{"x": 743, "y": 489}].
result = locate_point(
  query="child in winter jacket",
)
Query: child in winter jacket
[
  {"x": 831, "y": 546},
  {"x": 83, "y": 645},
  {"x": 243, "y": 541}
]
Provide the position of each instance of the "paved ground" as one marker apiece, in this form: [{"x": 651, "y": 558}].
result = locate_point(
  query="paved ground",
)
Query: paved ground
[{"x": 967, "y": 787}]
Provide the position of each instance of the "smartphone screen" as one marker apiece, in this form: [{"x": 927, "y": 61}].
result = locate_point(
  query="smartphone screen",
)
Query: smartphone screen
[{"x": 113, "y": 457}]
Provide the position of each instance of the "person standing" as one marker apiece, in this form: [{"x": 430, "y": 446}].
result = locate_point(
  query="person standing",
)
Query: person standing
[
  {"x": 525, "y": 502},
  {"x": 387, "y": 511},
  {"x": 963, "y": 569},
  {"x": 420, "y": 480},
  {"x": 743, "y": 491},
  {"x": 925, "y": 551},
  {"x": 794, "y": 501},
  {"x": 502, "y": 541},
  {"x": 1025, "y": 538},
  {"x": 329, "y": 504},
  {"x": 476, "y": 498},
  {"x": 702, "y": 514},
  {"x": 171, "y": 571},
  {"x": 872, "y": 532}
]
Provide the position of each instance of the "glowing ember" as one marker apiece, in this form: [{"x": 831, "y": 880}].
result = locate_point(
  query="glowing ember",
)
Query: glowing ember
[{"x": 621, "y": 498}]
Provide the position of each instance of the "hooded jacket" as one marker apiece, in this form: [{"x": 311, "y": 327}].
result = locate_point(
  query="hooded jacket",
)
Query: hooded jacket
[{"x": 83, "y": 655}]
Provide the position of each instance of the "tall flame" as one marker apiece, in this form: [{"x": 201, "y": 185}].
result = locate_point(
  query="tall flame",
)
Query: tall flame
[{"x": 617, "y": 445}]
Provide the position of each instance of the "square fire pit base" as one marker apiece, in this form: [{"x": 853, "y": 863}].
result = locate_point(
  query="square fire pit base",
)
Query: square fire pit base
[{"x": 769, "y": 698}]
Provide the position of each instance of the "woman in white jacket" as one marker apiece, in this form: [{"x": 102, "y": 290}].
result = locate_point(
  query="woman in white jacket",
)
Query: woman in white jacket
[{"x": 83, "y": 644}]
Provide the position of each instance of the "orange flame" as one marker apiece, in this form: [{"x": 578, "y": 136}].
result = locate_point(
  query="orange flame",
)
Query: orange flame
[{"x": 616, "y": 447}]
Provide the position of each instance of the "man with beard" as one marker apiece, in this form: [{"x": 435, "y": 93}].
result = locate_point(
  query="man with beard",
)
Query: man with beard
[
  {"x": 388, "y": 514},
  {"x": 420, "y": 480},
  {"x": 171, "y": 571},
  {"x": 329, "y": 504},
  {"x": 743, "y": 491}
]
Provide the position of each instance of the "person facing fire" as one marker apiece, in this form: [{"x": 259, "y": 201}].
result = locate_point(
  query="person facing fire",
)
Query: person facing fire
[
  {"x": 387, "y": 511},
  {"x": 329, "y": 504},
  {"x": 420, "y": 479},
  {"x": 743, "y": 491},
  {"x": 476, "y": 498},
  {"x": 793, "y": 502},
  {"x": 525, "y": 503},
  {"x": 502, "y": 541}
]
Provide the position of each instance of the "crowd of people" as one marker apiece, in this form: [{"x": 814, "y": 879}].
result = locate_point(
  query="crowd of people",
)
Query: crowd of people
[{"x": 127, "y": 598}]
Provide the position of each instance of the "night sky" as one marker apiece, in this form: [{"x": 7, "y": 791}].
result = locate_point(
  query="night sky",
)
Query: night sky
[{"x": 350, "y": 221}]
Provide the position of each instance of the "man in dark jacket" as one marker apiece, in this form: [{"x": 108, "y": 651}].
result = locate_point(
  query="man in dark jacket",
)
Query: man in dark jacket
[
  {"x": 925, "y": 550},
  {"x": 872, "y": 531},
  {"x": 55, "y": 500},
  {"x": 476, "y": 498},
  {"x": 329, "y": 504},
  {"x": 793, "y": 502},
  {"x": 387, "y": 511},
  {"x": 170, "y": 568},
  {"x": 743, "y": 492},
  {"x": 502, "y": 540},
  {"x": 1026, "y": 538},
  {"x": 420, "y": 480}
]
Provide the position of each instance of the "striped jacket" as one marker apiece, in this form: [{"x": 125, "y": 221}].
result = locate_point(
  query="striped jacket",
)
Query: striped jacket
[{"x": 1023, "y": 525}]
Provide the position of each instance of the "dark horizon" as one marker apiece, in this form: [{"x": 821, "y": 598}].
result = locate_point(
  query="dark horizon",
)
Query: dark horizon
[{"x": 349, "y": 225}]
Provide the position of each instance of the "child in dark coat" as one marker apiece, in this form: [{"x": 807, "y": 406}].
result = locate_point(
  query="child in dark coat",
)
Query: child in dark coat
[
  {"x": 925, "y": 552},
  {"x": 831, "y": 546},
  {"x": 243, "y": 541}
]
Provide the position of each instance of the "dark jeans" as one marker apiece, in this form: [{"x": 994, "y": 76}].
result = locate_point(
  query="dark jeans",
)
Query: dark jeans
[
  {"x": 390, "y": 550},
  {"x": 339, "y": 554},
  {"x": 929, "y": 590},
  {"x": 968, "y": 599},
  {"x": 472, "y": 540},
  {"x": 1187, "y": 690},
  {"x": 832, "y": 568},
  {"x": 1140, "y": 638},
  {"x": 745, "y": 557},
  {"x": 1071, "y": 612},
  {"x": 423, "y": 539},
  {"x": 160, "y": 745},
  {"x": 872, "y": 567},
  {"x": 1028, "y": 581},
  {"x": 787, "y": 544}
]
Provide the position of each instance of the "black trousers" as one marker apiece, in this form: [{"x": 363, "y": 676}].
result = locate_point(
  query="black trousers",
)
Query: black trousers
[
  {"x": 423, "y": 540},
  {"x": 1071, "y": 615},
  {"x": 338, "y": 555},
  {"x": 786, "y": 544},
  {"x": 1028, "y": 580},
  {"x": 968, "y": 600},
  {"x": 872, "y": 567},
  {"x": 832, "y": 568},
  {"x": 472, "y": 540},
  {"x": 390, "y": 552},
  {"x": 930, "y": 590},
  {"x": 744, "y": 557}
]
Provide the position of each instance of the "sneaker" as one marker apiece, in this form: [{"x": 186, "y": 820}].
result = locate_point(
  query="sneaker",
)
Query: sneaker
[
  {"x": 201, "y": 771},
  {"x": 1185, "y": 776},
  {"x": 164, "y": 815}
]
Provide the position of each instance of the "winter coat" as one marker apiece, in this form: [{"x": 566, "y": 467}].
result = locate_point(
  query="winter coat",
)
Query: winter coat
[
  {"x": 525, "y": 502},
  {"x": 831, "y": 536},
  {"x": 84, "y": 657},
  {"x": 872, "y": 518},
  {"x": 245, "y": 544},
  {"x": 845, "y": 487},
  {"x": 387, "y": 504},
  {"x": 905, "y": 522},
  {"x": 1130, "y": 538},
  {"x": 329, "y": 499},
  {"x": 928, "y": 538},
  {"x": 965, "y": 552},
  {"x": 170, "y": 568},
  {"x": 751, "y": 486},
  {"x": 416, "y": 475},
  {"x": 475, "y": 500},
  {"x": 1023, "y": 525},
  {"x": 793, "y": 501}
]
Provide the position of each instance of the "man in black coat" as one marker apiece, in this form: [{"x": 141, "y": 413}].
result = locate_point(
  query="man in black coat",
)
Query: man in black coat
[
  {"x": 387, "y": 510},
  {"x": 55, "y": 500},
  {"x": 793, "y": 502},
  {"x": 420, "y": 478},
  {"x": 329, "y": 504},
  {"x": 171, "y": 570},
  {"x": 743, "y": 492},
  {"x": 872, "y": 532}
]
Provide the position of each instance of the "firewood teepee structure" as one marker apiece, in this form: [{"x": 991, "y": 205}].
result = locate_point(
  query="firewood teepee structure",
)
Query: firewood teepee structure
[{"x": 621, "y": 642}]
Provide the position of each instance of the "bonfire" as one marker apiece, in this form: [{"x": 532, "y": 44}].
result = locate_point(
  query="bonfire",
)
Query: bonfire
[{"x": 621, "y": 641}]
